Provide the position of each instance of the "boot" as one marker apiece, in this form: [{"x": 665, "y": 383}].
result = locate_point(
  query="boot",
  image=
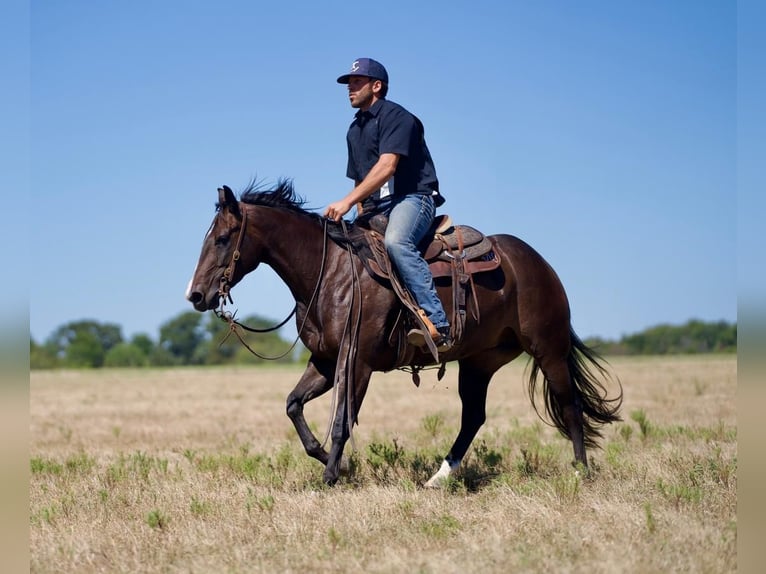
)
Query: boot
[
  {"x": 444, "y": 342},
  {"x": 441, "y": 338}
]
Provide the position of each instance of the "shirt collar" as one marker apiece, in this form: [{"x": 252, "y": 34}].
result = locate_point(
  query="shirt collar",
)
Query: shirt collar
[{"x": 372, "y": 112}]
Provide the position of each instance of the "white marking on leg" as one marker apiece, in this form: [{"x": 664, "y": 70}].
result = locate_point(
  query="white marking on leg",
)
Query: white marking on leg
[{"x": 445, "y": 471}]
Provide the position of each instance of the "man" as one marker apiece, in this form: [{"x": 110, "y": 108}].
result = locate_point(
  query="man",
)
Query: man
[{"x": 394, "y": 175}]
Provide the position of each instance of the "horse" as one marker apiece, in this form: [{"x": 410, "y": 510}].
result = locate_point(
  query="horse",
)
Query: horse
[{"x": 348, "y": 321}]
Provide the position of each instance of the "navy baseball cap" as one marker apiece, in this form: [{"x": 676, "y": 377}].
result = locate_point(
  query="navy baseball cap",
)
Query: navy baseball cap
[{"x": 365, "y": 67}]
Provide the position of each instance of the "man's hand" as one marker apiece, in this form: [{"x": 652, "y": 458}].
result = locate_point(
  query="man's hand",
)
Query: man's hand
[
  {"x": 337, "y": 210},
  {"x": 380, "y": 173}
]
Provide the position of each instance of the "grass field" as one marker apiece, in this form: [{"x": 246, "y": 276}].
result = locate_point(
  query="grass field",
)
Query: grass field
[{"x": 200, "y": 471}]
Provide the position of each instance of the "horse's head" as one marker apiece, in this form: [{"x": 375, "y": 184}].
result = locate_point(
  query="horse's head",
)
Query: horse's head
[{"x": 218, "y": 268}]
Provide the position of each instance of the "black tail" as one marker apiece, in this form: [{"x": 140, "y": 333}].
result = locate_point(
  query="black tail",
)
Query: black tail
[{"x": 587, "y": 370}]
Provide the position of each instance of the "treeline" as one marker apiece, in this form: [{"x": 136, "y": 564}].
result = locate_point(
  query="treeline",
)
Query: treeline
[
  {"x": 693, "y": 337},
  {"x": 193, "y": 338},
  {"x": 190, "y": 338}
]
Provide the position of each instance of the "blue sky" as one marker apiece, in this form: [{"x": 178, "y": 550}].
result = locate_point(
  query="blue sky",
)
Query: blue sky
[{"x": 602, "y": 133}]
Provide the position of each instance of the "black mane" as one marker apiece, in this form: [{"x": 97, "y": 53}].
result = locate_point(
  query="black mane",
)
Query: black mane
[{"x": 282, "y": 196}]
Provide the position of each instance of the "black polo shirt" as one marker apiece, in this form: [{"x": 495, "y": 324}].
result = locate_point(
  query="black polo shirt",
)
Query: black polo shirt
[{"x": 388, "y": 128}]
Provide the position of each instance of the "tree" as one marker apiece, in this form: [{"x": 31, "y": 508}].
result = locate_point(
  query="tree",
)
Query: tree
[
  {"x": 83, "y": 343},
  {"x": 217, "y": 348},
  {"x": 85, "y": 351},
  {"x": 727, "y": 338},
  {"x": 41, "y": 357},
  {"x": 693, "y": 337},
  {"x": 126, "y": 355},
  {"x": 181, "y": 336},
  {"x": 143, "y": 342},
  {"x": 160, "y": 357}
]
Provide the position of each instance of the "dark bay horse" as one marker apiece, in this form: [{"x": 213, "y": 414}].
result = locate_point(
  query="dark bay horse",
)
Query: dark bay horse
[{"x": 346, "y": 320}]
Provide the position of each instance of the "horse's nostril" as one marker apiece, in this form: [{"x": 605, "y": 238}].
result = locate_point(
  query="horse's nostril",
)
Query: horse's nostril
[{"x": 195, "y": 297}]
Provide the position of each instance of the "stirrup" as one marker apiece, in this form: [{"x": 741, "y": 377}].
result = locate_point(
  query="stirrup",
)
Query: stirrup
[{"x": 444, "y": 344}]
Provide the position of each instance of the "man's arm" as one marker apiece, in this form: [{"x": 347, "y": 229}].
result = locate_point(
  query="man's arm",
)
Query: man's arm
[{"x": 380, "y": 173}]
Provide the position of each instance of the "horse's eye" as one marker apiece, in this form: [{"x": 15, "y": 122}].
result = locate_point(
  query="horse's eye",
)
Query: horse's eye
[{"x": 221, "y": 240}]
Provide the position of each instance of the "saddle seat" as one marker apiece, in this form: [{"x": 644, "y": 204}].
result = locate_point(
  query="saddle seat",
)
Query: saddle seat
[{"x": 443, "y": 246}]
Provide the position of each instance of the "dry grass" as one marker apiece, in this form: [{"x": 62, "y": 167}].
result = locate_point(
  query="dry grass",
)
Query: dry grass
[{"x": 200, "y": 471}]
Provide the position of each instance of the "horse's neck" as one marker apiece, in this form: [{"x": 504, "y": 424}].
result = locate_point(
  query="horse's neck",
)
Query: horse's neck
[{"x": 295, "y": 248}]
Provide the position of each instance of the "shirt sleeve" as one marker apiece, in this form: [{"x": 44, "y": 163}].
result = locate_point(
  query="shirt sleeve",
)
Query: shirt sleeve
[{"x": 396, "y": 132}]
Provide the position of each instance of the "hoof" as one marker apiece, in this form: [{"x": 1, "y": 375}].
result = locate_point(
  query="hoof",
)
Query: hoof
[
  {"x": 440, "y": 478},
  {"x": 330, "y": 481},
  {"x": 581, "y": 470},
  {"x": 330, "y": 476},
  {"x": 436, "y": 482}
]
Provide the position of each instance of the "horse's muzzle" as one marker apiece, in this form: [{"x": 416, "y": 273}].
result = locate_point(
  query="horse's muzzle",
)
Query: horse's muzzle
[
  {"x": 196, "y": 296},
  {"x": 197, "y": 299}
]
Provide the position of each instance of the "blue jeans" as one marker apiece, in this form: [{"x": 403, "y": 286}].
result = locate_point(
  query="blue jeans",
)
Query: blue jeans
[{"x": 409, "y": 218}]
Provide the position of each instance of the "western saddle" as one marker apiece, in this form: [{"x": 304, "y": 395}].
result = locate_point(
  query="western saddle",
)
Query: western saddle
[{"x": 455, "y": 252}]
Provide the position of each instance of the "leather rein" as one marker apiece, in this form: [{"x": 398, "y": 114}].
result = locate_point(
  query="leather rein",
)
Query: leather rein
[
  {"x": 350, "y": 332},
  {"x": 224, "y": 294}
]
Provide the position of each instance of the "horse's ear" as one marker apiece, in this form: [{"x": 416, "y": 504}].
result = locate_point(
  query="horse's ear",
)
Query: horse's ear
[{"x": 226, "y": 199}]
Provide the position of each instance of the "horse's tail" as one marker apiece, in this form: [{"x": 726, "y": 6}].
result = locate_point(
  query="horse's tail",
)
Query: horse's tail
[{"x": 587, "y": 370}]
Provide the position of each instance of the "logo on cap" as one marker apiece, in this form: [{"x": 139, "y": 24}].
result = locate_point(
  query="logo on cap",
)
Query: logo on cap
[{"x": 365, "y": 67}]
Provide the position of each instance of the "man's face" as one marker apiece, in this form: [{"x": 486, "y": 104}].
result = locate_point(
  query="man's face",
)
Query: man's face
[{"x": 360, "y": 92}]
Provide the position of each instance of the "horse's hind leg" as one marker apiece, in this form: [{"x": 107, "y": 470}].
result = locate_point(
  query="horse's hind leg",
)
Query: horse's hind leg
[
  {"x": 566, "y": 402},
  {"x": 473, "y": 382},
  {"x": 317, "y": 379}
]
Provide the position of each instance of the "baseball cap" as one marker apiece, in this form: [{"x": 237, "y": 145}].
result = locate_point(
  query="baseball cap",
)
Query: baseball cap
[{"x": 365, "y": 67}]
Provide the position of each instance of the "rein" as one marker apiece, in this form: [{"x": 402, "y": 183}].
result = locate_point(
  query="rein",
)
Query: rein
[
  {"x": 224, "y": 293},
  {"x": 350, "y": 336}
]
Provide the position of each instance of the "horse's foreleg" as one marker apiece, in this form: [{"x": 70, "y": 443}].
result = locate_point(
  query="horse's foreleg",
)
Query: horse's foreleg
[
  {"x": 317, "y": 379},
  {"x": 350, "y": 397},
  {"x": 472, "y": 387}
]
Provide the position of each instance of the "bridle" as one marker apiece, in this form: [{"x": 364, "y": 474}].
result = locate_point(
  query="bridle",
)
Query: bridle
[
  {"x": 224, "y": 286},
  {"x": 350, "y": 331},
  {"x": 224, "y": 294}
]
